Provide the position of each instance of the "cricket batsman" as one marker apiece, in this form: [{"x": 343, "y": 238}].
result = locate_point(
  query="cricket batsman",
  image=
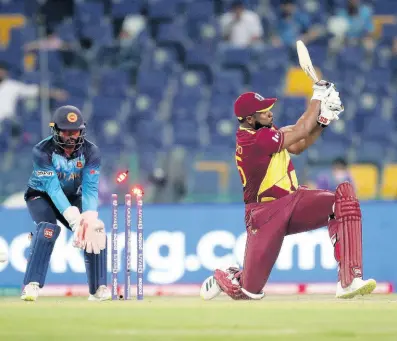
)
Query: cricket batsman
[
  {"x": 64, "y": 186},
  {"x": 276, "y": 206}
]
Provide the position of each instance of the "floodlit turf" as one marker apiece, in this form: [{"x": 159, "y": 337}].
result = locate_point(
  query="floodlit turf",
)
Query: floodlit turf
[{"x": 176, "y": 318}]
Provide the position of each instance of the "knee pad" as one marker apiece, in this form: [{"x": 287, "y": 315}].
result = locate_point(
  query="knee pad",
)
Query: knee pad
[
  {"x": 42, "y": 245},
  {"x": 346, "y": 233}
]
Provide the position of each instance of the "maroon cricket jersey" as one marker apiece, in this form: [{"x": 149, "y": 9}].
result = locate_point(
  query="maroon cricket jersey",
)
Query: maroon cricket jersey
[{"x": 266, "y": 170}]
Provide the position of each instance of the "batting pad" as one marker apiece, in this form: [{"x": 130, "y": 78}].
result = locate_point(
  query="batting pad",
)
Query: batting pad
[
  {"x": 41, "y": 248},
  {"x": 96, "y": 267},
  {"x": 348, "y": 241}
]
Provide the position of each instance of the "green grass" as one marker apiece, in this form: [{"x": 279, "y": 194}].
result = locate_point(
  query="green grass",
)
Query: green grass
[{"x": 176, "y": 318}]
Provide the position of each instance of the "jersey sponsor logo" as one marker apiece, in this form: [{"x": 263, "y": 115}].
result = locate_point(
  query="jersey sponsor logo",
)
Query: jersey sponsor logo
[
  {"x": 48, "y": 233},
  {"x": 93, "y": 171},
  {"x": 259, "y": 97},
  {"x": 44, "y": 173},
  {"x": 71, "y": 117}
]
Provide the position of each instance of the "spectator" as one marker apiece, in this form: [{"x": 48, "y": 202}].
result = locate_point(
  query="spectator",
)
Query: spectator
[
  {"x": 132, "y": 29},
  {"x": 339, "y": 173},
  {"x": 294, "y": 25},
  {"x": 352, "y": 25},
  {"x": 241, "y": 27},
  {"x": 11, "y": 90}
]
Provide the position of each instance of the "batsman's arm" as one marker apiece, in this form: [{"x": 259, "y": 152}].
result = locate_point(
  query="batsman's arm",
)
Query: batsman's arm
[
  {"x": 46, "y": 179},
  {"x": 306, "y": 142},
  {"x": 303, "y": 127},
  {"x": 90, "y": 182}
]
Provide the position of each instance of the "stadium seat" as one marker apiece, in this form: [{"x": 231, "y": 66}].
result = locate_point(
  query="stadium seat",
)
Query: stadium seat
[
  {"x": 121, "y": 8},
  {"x": 274, "y": 57},
  {"x": 365, "y": 178},
  {"x": 75, "y": 81},
  {"x": 152, "y": 82},
  {"x": 370, "y": 151},
  {"x": 200, "y": 10},
  {"x": 228, "y": 83},
  {"x": 268, "y": 82},
  {"x": 389, "y": 182},
  {"x": 162, "y": 10},
  {"x": 114, "y": 83}
]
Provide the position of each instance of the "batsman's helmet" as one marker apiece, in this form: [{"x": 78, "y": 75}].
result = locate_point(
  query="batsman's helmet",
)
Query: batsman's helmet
[{"x": 67, "y": 118}]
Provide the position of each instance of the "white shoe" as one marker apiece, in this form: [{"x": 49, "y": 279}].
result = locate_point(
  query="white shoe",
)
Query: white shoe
[
  {"x": 102, "y": 294},
  {"x": 210, "y": 289},
  {"x": 30, "y": 292},
  {"x": 357, "y": 287}
]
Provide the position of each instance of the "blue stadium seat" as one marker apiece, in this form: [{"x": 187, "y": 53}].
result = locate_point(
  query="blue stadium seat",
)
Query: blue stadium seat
[
  {"x": 292, "y": 107},
  {"x": 172, "y": 33},
  {"x": 162, "y": 10},
  {"x": 89, "y": 12},
  {"x": 200, "y": 10},
  {"x": 205, "y": 32},
  {"x": 152, "y": 82},
  {"x": 325, "y": 152},
  {"x": 385, "y": 7},
  {"x": 351, "y": 58},
  {"x": 235, "y": 57},
  {"x": 342, "y": 130},
  {"x": 114, "y": 83},
  {"x": 101, "y": 34},
  {"x": 121, "y": 8},
  {"x": 66, "y": 30},
  {"x": 274, "y": 57},
  {"x": 228, "y": 82},
  {"x": 378, "y": 129},
  {"x": 222, "y": 102},
  {"x": 76, "y": 81},
  {"x": 75, "y": 100},
  {"x": 105, "y": 107},
  {"x": 370, "y": 151},
  {"x": 202, "y": 183},
  {"x": 150, "y": 133},
  {"x": 186, "y": 134},
  {"x": 268, "y": 82},
  {"x": 162, "y": 58}
]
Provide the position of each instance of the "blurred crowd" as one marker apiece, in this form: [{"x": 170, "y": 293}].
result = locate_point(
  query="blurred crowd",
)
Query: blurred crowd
[{"x": 157, "y": 78}]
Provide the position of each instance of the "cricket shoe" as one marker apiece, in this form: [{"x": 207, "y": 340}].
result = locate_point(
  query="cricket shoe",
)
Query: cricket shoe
[
  {"x": 30, "y": 292},
  {"x": 102, "y": 294},
  {"x": 357, "y": 287}
]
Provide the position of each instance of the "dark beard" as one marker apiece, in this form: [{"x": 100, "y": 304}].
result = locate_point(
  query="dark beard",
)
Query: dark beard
[
  {"x": 258, "y": 125},
  {"x": 352, "y": 10}
]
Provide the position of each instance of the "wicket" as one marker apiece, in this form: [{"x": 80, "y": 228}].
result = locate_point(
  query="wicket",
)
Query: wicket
[{"x": 127, "y": 246}]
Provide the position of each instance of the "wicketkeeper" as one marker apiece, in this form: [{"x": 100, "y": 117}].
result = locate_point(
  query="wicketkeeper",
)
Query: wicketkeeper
[{"x": 64, "y": 187}]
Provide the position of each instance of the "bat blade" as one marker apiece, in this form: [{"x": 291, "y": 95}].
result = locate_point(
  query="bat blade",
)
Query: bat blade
[{"x": 305, "y": 61}]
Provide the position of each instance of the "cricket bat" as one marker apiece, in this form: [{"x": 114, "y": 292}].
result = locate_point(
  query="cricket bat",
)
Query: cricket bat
[{"x": 305, "y": 61}]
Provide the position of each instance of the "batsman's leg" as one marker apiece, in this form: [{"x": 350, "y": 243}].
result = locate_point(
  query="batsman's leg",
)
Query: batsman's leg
[
  {"x": 341, "y": 212},
  {"x": 266, "y": 227},
  {"x": 345, "y": 230}
]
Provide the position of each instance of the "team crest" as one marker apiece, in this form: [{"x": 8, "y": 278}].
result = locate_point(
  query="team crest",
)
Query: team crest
[
  {"x": 79, "y": 164},
  {"x": 48, "y": 233},
  {"x": 71, "y": 117}
]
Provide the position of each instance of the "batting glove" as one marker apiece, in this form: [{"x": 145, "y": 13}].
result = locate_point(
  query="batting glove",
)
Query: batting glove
[
  {"x": 331, "y": 108},
  {"x": 322, "y": 89}
]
